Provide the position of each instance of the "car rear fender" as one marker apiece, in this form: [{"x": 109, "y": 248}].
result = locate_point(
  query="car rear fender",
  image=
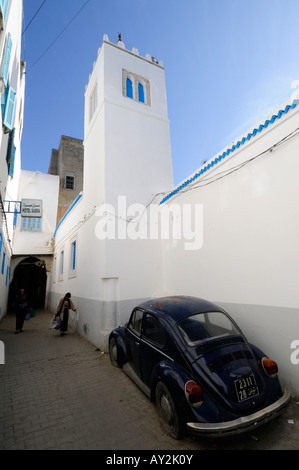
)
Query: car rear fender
[{"x": 174, "y": 377}]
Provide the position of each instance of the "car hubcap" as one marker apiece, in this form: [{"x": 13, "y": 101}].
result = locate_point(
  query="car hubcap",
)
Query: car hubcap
[
  {"x": 114, "y": 352},
  {"x": 166, "y": 409}
]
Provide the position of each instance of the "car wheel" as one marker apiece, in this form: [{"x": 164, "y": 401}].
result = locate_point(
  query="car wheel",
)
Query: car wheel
[
  {"x": 113, "y": 352},
  {"x": 167, "y": 412}
]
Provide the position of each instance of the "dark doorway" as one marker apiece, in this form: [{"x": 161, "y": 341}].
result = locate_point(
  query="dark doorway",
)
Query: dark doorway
[{"x": 31, "y": 275}]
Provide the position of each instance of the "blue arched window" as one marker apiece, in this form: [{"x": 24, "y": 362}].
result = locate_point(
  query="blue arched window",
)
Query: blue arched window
[
  {"x": 129, "y": 87},
  {"x": 140, "y": 92}
]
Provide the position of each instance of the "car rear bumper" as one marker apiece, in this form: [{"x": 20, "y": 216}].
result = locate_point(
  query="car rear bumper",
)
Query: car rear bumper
[{"x": 245, "y": 423}]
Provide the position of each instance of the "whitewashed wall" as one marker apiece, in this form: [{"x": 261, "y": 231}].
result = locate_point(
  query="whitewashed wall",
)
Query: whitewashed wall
[{"x": 249, "y": 259}]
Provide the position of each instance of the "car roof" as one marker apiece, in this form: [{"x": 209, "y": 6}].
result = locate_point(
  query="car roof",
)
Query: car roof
[{"x": 179, "y": 306}]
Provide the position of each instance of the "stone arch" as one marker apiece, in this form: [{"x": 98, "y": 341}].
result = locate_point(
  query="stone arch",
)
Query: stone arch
[{"x": 31, "y": 274}]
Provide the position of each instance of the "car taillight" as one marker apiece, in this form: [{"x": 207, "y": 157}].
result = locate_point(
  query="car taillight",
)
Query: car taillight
[
  {"x": 269, "y": 366},
  {"x": 194, "y": 393}
]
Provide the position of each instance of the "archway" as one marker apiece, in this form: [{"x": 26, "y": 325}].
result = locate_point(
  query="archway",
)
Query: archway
[{"x": 31, "y": 275}]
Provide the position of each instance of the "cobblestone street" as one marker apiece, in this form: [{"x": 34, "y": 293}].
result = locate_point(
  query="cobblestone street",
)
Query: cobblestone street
[{"x": 62, "y": 393}]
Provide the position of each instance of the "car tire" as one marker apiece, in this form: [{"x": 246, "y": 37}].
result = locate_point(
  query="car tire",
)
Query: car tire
[
  {"x": 113, "y": 353},
  {"x": 169, "y": 417}
]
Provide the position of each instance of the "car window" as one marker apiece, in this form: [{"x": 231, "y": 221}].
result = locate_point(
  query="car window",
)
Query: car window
[
  {"x": 153, "y": 330},
  {"x": 208, "y": 325},
  {"x": 135, "y": 322}
]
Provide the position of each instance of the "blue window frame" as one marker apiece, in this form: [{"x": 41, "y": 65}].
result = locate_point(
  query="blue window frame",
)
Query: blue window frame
[
  {"x": 15, "y": 217},
  {"x": 140, "y": 92},
  {"x": 73, "y": 255},
  {"x": 3, "y": 263},
  {"x": 129, "y": 88},
  {"x": 7, "y": 275}
]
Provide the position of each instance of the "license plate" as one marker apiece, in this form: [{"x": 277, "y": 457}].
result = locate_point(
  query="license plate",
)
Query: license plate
[{"x": 246, "y": 387}]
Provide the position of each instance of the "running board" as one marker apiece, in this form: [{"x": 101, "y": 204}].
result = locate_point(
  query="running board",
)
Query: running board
[{"x": 133, "y": 376}]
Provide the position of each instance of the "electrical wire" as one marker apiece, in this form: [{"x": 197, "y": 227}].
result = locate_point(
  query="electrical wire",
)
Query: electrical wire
[
  {"x": 57, "y": 37},
  {"x": 33, "y": 17},
  {"x": 221, "y": 175}
]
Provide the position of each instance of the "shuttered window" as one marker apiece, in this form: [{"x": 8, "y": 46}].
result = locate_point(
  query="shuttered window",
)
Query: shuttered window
[
  {"x": 3, "y": 10},
  {"x": 11, "y": 163},
  {"x": 9, "y": 108},
  {"x": 11, "y": 152},
  {"x": 140, "y": 92},
  {"x": 129, "y": 88},
  {"x": 6, "y": 60}
]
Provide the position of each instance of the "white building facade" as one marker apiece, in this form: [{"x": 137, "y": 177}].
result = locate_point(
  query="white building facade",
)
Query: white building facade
[{"x": 12, "y": 86}]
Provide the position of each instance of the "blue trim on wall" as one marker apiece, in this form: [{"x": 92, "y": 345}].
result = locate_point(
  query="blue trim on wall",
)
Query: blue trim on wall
[
  {"x": 67, "y": 212},
  {"x": 232, "y": 149}
]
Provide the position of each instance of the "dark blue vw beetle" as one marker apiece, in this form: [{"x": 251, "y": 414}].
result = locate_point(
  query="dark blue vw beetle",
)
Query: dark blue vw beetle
[{"x": 190, "y": 357}]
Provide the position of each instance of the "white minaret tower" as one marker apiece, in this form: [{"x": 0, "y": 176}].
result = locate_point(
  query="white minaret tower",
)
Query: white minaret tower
[
  {"x": 127, "y": 140},
  {"x": 127, "y": 155}
]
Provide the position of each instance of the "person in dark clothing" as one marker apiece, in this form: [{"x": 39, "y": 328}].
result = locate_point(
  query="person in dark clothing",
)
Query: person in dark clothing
[
  {"x": 65, "y": 304},
  {"x": 22, "y": 306}
]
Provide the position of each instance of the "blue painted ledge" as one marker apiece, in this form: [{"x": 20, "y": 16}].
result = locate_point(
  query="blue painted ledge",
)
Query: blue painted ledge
[
  {"x": 232, "y": 149},
  {"x": 68, "y": 211}
]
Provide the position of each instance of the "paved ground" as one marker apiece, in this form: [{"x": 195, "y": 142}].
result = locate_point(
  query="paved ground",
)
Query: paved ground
[{"x": 62, "y": 393}]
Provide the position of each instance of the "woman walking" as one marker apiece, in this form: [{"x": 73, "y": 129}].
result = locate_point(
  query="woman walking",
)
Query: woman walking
[
  {"x": 22, "y": 307},
  {"x": 64, "y": 306}
]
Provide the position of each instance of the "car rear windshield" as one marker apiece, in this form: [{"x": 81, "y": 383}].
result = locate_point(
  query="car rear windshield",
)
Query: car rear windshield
[{"x": 205, "y": 326}]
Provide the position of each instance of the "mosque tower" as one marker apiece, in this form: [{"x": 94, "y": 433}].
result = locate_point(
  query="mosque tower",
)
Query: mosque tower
[{"x": 127, "y": 149}]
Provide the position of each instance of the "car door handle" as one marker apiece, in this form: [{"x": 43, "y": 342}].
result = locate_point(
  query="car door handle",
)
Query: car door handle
[{"x": 137, "y": 343}]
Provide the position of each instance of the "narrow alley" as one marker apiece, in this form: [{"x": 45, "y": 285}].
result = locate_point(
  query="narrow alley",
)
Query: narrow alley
[{"x": 61, "y": 393}]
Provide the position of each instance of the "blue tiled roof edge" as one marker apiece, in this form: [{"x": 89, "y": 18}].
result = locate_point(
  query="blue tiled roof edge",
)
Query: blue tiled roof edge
[
  {"x": 68, "y": 211},
  {"x": 231, "y": 149}
]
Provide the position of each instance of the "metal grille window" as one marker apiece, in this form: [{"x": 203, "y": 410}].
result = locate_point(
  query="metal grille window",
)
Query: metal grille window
[
  {"x": 32, "y": 223},
  {"x": 69, "y": 182}
]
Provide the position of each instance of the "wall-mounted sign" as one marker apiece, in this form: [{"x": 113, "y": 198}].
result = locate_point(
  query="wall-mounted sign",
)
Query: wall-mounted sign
[{"x": 32, "y": 208}]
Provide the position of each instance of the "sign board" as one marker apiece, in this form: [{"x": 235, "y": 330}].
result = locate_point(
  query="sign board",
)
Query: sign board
[{"x": 32, "y": 208}]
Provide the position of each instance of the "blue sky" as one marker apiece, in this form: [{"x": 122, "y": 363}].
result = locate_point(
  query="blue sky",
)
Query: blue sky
[{"x": 228, "y": 64}]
